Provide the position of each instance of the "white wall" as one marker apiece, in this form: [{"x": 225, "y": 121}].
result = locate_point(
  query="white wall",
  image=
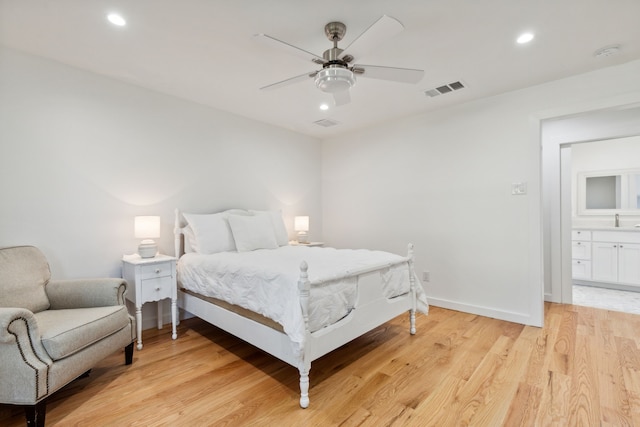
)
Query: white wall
[
  {"x": 443, "y": 180},
  {"x": 81, "y": 155}
]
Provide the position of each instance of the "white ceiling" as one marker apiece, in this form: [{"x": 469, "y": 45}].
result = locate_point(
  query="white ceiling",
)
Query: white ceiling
[{"x": 203, "y": 50}]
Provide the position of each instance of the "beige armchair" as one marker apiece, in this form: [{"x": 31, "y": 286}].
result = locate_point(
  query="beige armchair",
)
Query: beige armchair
[{"x": 53, "y": 331}]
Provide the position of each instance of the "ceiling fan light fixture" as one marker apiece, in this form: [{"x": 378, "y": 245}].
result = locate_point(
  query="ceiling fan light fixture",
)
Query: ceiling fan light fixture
[{"x": 335, "y": 79}]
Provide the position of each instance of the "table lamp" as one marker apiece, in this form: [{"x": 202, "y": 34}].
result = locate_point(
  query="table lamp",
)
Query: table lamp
[
  {"x": 147, "y": 228},
  {"x": 301, "y": 226}
]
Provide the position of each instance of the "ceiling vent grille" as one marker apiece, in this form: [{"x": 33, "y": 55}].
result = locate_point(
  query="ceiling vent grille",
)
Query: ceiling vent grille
[
  {"x": 440, "y": 90},
  {"x": 326, "y": 123}
]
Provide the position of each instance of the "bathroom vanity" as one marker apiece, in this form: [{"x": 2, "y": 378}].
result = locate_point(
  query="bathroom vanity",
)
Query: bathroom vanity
[{"x": 606, "y": 256}]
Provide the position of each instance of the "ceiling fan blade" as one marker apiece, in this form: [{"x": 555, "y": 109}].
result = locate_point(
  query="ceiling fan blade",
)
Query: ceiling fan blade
[
  {"x": 289, "y": 48},
  {"x": 381, "y": 30},
  {"x": 401, "y": 75},
  {"x": 341, "y": 98},
  {"x": 290, "y": 81}
]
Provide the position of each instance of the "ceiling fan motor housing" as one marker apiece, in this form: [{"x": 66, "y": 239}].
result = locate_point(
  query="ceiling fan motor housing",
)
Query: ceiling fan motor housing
[{"x": 335, "y": 79}]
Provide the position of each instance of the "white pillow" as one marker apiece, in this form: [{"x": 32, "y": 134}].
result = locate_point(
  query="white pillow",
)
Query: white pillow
[
  {"x": 282, "y": 237},
  {"x": 252, "y": 232},
  {"x": 212, "y": 233}
]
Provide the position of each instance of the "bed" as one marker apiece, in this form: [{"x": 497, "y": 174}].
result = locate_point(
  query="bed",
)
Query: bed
[{"x": 237, "y": 271}]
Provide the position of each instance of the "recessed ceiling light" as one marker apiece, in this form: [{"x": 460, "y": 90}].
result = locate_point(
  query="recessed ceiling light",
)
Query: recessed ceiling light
[
  {"x": 525, "y": 38},
  {"x": 324, "y": 107},
  {"x": 116, "y": 19}
]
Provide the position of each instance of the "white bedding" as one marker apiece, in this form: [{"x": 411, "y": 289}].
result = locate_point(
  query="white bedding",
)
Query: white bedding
[{"x": 266, "y": 281}]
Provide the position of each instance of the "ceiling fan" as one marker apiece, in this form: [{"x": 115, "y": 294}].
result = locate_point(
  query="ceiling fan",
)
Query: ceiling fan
[{"x": 337, "y": 75}]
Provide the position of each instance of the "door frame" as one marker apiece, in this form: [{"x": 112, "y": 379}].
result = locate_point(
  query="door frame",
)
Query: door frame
[{"x": 556, "y": 181}]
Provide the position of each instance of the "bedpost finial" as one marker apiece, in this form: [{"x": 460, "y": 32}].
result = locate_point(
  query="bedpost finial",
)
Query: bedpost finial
[{"x": 304, "y": 266}]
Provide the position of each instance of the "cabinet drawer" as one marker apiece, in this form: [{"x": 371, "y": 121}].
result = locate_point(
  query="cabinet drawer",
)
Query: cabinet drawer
[
  {"x": 581, "y": 269},
  {"x": 150, "y": 271},
  {"x": 582, "y": 235},
  {"x": 617, "y": 236},
  {"x": 580, "y": 250},
  {"x": 156, "y": 289}
]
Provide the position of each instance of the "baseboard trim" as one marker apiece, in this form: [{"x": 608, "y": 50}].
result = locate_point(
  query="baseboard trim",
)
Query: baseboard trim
[{"x": 509, "y": 316}]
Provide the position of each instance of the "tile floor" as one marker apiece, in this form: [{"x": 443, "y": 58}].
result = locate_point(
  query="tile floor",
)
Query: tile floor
[{"x": 610, "y": 299}]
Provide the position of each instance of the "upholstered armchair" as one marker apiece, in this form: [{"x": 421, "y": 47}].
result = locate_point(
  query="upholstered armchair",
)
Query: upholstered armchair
[{"x": 53, "y": 331}]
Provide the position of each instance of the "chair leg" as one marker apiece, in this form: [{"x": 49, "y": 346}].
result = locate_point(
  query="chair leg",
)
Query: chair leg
[
  {"x": 35, "y": 414},
  {"x": 85, "y": 375},
  {"x": 128, "y": 354}
]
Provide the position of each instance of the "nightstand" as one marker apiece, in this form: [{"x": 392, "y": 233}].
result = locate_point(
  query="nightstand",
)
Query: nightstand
[
  {"x": 151, "y": 280},
  {"x": 294, "y": 243}
]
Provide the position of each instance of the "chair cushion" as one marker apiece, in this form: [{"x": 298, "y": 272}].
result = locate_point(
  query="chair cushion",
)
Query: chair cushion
[
  {"x": 64, "y": 332},
  {"x": 24, "y": 272}
]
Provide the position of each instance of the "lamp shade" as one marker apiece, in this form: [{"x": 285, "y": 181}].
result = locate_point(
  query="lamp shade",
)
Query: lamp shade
[
  {"x": 301, "y": 223},
  {"x": 335, "y": 79},
  {"x": 147, "y": 227}
]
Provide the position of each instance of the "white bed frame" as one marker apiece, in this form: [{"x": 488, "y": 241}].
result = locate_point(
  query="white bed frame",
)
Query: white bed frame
[{"x": 371, "y": 310}]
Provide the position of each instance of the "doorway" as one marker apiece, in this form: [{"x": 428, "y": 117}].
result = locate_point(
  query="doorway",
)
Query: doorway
[
  {"x": 557, "y": 133},
  {"x": 596, "y": 208}
]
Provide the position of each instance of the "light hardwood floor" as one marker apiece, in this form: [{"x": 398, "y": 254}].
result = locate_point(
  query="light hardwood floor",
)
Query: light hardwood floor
[{"x": 581, "y": 369}]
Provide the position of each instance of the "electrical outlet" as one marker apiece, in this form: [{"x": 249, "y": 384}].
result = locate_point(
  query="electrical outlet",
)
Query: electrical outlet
[{"x": 425, "y": 276}]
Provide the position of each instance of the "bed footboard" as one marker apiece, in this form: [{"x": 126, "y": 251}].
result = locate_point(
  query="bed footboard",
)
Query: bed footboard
[{"x": 375, "y": 311}]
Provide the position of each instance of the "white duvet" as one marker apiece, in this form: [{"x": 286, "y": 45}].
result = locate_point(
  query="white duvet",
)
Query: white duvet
[{"x": 266, "y": 281}]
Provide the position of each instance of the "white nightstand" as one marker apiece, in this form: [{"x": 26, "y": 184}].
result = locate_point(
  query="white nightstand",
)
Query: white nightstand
[
  {"x": 151, "y": 279},
  {"x": 294, "y": 243}
]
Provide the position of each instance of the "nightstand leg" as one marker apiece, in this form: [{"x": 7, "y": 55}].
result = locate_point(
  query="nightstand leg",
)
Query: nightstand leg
[
  {"x": 139, "y": 326},
  {"x": 174, "y": 315},
  {"x": 159, "y": 304}
]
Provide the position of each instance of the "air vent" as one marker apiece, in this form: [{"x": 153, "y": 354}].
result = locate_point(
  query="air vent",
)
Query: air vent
[
  {"x": 444, "y": 89},
  {"x": 326, "y": 123}
]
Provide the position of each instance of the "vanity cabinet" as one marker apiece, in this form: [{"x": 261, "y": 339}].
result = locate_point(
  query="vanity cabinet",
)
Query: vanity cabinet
[{"x": 614, "y": 257}]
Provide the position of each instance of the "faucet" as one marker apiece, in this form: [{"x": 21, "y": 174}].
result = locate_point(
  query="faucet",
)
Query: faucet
[{"x": 617, "y": 220}]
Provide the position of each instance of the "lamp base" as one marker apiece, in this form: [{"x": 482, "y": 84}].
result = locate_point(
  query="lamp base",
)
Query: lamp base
[
  {"x": 303, "y": 237},
  {"x": 147, "y": 249}
]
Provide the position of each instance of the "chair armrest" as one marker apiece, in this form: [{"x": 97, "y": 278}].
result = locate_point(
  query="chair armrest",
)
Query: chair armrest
[
  {"x": 23, "y": 358},
  {"x": 83, "y": 293}
]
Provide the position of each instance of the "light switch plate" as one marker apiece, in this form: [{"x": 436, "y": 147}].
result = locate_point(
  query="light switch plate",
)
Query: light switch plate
[{"x": 519, "y": 188}]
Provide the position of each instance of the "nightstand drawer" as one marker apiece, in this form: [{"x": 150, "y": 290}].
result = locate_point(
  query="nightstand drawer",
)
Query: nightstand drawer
[
  {"x": 157, "y": 289},
  {"x": 155, "y": 270}
]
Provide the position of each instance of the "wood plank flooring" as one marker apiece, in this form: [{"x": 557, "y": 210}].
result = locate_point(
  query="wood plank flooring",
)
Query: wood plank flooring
[{"x": 581, "y": 369}]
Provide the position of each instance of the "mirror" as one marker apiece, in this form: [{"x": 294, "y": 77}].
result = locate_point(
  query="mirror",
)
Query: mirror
[
  {"x": 603, "y": 192},
  {"x": 607, "y": 192}
]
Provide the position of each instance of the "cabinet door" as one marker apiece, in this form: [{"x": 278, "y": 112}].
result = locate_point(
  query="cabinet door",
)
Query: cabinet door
[
  {"x": 629, "y": 263},
  {"x": 604, "y": 262}
]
